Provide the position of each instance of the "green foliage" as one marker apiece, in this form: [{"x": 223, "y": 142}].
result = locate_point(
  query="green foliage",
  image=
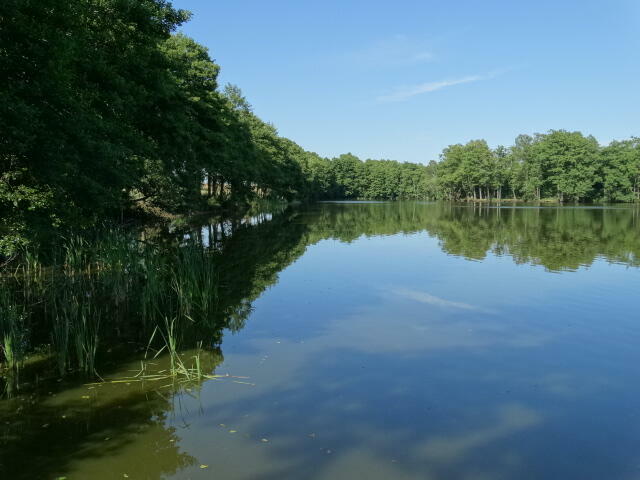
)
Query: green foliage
[
  {"x": 78, "y": 84},
  {"x": 621, "y": 171},
  {"x": 102, "y": 108},
  {"x": 568, "y": 161},
  {"x": 563, "y": 165}
]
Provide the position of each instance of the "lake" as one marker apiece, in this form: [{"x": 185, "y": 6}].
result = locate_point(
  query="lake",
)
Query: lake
[{"x": 378, "y": 341}]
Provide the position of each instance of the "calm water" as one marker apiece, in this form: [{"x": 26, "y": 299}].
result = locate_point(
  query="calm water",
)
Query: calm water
[{"x": 382, "y": 341}]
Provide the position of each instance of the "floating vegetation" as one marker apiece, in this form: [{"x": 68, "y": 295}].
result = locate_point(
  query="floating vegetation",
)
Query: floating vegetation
[
  {"x": 187, "y": 367},
  {"x": 189, "y": 375}
]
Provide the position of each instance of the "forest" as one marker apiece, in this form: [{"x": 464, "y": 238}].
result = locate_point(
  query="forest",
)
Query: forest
[{"x": 107, "y": 111}]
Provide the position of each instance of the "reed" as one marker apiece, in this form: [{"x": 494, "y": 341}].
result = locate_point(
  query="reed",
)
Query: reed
[
  {"x": 34, "y": 276},
  {"x": 85, "y": 331},
  {"x": 92, "y": 290},
  {"x": 153, "y": 292},
  {"x": 195, "y": 283},
  {"x": 61, "y": 330},
  {"x": 117, "y": 265},
  {"x": 13, "y": 331},
  {"x": 179, "y": 372}
]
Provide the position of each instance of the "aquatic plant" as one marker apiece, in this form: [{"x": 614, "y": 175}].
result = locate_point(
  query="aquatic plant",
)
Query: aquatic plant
[
  {"x": 13, "y": 331},
  {"x": 153, "y": 292},
  {"x": 85, "y": 331},
  {"x": 34, "y": 276},
  {"x": 95, "y": 291},
  {"x": 194, "y": 283},
  {"x": 60, "y": 333},
  {"x": 184, "y": 367}
]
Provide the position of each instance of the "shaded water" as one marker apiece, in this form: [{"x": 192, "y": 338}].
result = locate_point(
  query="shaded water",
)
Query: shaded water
[{"x": 382, "y": 340}]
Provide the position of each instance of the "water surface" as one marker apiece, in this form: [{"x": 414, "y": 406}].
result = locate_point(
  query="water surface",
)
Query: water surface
[{"x": 382, "y": 340}]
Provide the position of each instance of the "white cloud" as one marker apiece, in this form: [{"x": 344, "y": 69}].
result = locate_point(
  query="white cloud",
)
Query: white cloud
[
  {"x": 403, "y": 93},
  {"x": 396, "y": 51},
  {"x": 424, "y": 297}
]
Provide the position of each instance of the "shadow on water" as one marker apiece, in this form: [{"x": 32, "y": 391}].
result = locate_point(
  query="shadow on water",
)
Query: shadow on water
[{"x": 53, "y": 427}]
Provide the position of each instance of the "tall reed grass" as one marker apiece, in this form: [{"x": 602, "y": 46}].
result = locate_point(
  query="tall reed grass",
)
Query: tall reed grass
[
  {"x": 91, "y": 293},
  {"x": 13, "y": 331}
]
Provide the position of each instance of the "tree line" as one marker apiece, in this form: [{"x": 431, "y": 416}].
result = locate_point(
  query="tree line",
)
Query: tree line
[
  {"x": 560, "y": 165},
  {"x": 104, "y": 108}
]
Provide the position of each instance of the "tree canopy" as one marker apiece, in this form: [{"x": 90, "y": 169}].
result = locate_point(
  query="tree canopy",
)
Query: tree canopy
[{"x": 563, "y": 165}]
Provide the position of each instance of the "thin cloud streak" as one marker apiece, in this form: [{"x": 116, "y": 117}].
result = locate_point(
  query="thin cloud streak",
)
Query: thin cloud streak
[
  {"x": 396, "y": 51},
  {"x": 405, "y": 93},
  {"x": 424, "y": 297}
]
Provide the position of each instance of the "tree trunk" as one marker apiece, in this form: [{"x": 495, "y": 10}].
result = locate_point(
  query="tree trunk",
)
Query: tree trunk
[{"x": 221, "y": 193}]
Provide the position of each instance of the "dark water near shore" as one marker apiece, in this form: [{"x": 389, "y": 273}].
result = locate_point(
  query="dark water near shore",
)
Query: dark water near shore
[{"x": 381, "y": 340}]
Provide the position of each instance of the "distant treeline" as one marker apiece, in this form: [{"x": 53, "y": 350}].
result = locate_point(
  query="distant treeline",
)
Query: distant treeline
[
  {"x": 566, "y": 166},
  {"x": 104, "y": 109},
  {"x": 559, "y": 165}
]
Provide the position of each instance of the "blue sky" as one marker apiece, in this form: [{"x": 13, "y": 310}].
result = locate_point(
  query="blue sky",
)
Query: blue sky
[{"x": 404, "y": 79}]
